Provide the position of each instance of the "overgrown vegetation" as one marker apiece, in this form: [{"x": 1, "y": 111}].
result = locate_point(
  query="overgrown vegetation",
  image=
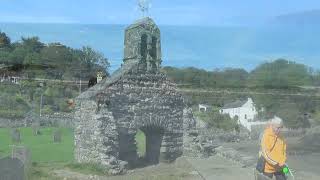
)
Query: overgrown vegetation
[
  {"x": 42, "y": 147},
  {"x": 279, "y": 74},
  {"x": 49, "y": 73},
  {"x": 87, "y": 168},
  {"x": 216, "y": 120},
  {"x": 141, "y": 143},
  {"x": 274, "y": 86}
]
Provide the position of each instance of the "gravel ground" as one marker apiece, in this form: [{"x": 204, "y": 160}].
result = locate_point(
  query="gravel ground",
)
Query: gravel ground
[
  {"x": 180, "y": 170},
  {"x": 302, "y": 161}
]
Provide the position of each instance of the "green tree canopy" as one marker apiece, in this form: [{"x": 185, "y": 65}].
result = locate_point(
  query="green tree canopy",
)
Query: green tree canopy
[
  {"x": 199, "y": 78},
  {"x": 4, "y": 40},
  {"x": 280, "y": 74}
]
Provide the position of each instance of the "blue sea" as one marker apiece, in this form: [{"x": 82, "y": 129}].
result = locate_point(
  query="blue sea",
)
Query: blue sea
[{"x": 184, "y": 46}]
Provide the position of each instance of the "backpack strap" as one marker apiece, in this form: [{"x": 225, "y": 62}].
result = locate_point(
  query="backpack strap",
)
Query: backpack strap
[{"x": 275, "y": 142}]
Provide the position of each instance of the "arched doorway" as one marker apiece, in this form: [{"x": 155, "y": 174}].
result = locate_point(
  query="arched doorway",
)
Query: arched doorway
[
  {"x": 142, "y": 148},
  {"x": 153, "y": 141},
  {"x": 141, "y": 143}
]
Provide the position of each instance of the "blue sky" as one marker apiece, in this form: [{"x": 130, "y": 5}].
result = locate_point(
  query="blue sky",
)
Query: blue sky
[{"x": 173, "y": 12}]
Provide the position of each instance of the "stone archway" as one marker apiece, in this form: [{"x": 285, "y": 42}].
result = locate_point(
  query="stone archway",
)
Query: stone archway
[
  {"x": 128, "y": 146},
  {"x": 154, "y": 137}
]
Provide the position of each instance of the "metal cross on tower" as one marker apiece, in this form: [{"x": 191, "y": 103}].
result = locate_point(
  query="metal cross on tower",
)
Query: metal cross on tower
[{"x": 144, "y": 6}]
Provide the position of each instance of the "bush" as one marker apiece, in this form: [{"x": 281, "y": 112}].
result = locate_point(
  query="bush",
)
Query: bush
[
  {"x": 47, "y": 109},
  {"x": 63, "y": 106},
  {"x": 13, "y": 106},
  {"x": 88, "y": 168},
  {"x": 8, "y": 113},
  {"x": 216, "y": 120}
]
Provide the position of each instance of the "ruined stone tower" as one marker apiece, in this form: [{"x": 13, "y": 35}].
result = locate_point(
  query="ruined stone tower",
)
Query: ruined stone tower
[
  {"x": 137, "y": 96},
  {"x": 142, "y": 42}
]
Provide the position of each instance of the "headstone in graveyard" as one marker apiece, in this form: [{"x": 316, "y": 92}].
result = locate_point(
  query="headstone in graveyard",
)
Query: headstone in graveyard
[
  {"x": 31, "y": 117},
  {"x": 36, "y": 129},
  {"x": 15, "y": 136},
  {"x": 57, "y": 136},
  {"x": 23, "y": 154},
  {"x": 11, "y": 169}
]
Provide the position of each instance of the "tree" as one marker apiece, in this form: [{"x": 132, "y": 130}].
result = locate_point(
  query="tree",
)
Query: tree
[
  {"x": 32, "y": 44},
  {"x": 5, "y": 41},
  {"x": 57, "y": 58},
  {"x": 199, "y": 78},
  {"x": 94, "y": 61},
  {"x": 280, "y": 74}
]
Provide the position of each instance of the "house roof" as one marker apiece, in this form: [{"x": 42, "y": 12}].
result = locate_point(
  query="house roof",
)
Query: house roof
[
  {"x": 205, "y": 105},
  {"x": 235, "y": 104}
]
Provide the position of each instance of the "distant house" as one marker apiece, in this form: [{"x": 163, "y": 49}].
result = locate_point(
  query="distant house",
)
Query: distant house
[
  {"x": 204, "y": 107},
  {"x": 9, "y": 76},
  {"x": 245, "y": 112},
  {"x": 242, "y": 110}
]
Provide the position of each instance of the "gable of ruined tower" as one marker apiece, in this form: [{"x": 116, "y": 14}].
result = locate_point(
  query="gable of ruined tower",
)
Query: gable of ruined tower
[{"x": 136, "y": 97}]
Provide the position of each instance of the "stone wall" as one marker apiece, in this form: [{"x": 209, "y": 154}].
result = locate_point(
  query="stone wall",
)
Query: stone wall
[
  {"x": 57, "y": 120},
  {"x": 147, "y": 102},
  {"x": 98, "y": 141},
  {"x": 5, "y": 122}
]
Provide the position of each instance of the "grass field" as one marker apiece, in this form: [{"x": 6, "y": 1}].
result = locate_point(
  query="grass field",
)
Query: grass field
[
  {"x": 42, "y": 147},
  {"x": 48, "y": 156},
  {"x": 141, "y": 143}
]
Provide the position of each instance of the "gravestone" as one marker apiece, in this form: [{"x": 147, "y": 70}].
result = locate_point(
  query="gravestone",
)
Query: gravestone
[
  {"x": 36, "y": 129},
  {"x": 30, "y": 118},
  {"x": 57, "y": 136},
  {"x": 23, "y": 154},
  {"x": 15, "y": 136},
  {"x": 11, "y": 169}
]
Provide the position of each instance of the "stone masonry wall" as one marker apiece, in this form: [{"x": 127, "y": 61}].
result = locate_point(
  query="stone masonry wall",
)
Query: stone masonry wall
[
  {"x": 136, "y": 97},
  {"x": 148, "y": 101}
]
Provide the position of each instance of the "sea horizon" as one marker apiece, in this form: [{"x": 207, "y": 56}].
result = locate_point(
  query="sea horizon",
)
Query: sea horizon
[{"x": 205, "y": 47}]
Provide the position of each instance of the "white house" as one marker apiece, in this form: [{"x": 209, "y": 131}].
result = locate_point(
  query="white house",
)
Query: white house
[
  {"x": 204, "y": 107},
  {"x": 244, "y": 111},
  {"x": 8, "y": 76}
]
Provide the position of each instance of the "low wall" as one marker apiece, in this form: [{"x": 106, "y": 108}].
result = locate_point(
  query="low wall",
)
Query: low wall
[
  {"x": 57, "y": 120},
  {"x": 258, "y": 129},
  {"x": 4, "y": 123}
]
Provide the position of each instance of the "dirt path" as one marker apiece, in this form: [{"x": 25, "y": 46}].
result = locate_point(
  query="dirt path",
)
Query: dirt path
[
  {"x": 218, "y": 168},
  {"x": 304, "y": 165},
  {"x": 180, "y": 170}
]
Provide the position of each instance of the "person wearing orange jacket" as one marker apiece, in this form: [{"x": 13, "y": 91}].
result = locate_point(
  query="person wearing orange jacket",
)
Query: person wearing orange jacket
[{"x": 273, "y": 149}]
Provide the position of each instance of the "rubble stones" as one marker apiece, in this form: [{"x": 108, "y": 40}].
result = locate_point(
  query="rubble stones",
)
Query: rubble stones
[
  {"x": 311, "y": 139},
  {"x": 232, "y": 154},
  {"x": 189, "y": 121}
]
